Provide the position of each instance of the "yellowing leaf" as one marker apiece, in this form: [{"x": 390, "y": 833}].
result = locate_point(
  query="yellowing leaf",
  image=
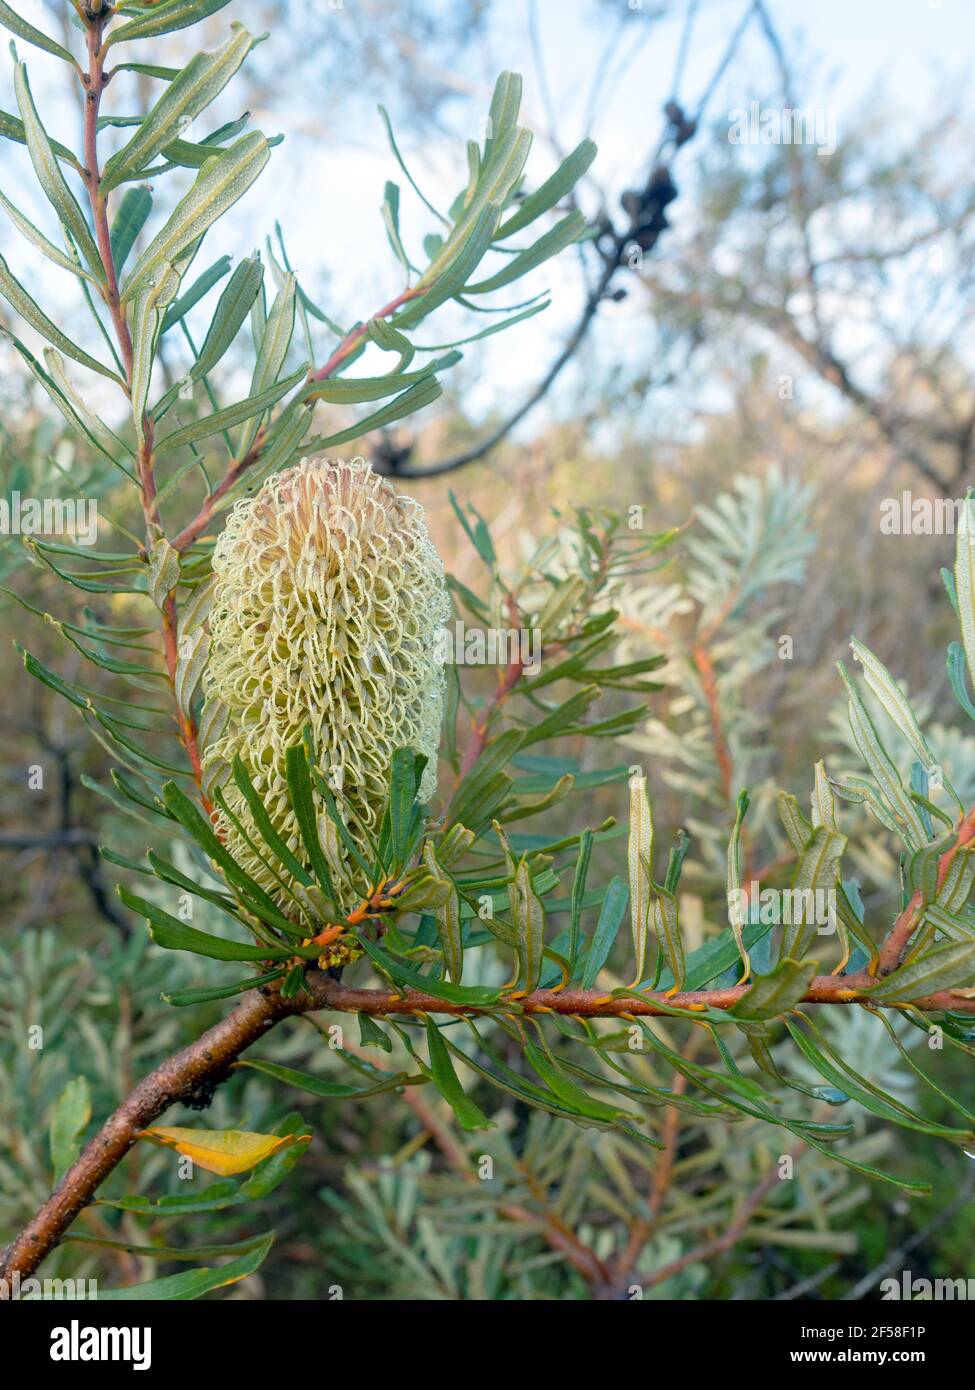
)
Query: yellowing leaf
[{"x": 225, "y": 1152}]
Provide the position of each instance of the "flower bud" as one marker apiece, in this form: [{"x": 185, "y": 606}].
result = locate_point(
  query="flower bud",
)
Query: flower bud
[{"x": 328, "y": 600}]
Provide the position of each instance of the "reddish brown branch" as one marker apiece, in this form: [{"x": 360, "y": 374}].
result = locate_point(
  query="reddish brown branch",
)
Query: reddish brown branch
[
  {"x": 94, "y": 82},
  {"x": 481, "y": 725},
  {"x": 729, "y": 1237},
  {"x": 352, "y": 339},
  {"x": 642, "y": 1226},
  {"x": 194, "y": 1073},
  {"x": 580, "y": 1003},
  {"x": 894, "y": 948},
  {"x": 195, "y": 528},
  {"x": 190, "y": 1075}
]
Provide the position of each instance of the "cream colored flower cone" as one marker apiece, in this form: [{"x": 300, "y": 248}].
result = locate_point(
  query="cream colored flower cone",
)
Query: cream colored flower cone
[{"x": 328, "y": 600}]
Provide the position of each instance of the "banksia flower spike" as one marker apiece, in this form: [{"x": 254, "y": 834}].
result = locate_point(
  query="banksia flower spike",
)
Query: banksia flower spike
[{"x": 328, "y": 601}]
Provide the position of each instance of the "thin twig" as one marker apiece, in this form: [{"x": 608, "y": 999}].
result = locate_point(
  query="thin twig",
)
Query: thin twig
[
  {"x": 553, "y": 1229},
  {"x": 193, "y": 1074}
]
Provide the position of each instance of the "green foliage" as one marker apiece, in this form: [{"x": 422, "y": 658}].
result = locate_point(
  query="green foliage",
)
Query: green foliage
[{"x": 455, "y": 886}]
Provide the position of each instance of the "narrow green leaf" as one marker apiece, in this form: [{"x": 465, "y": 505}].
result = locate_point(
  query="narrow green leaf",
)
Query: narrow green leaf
[
  {"x": 666, "y": 926},
  {"x": 65, "y": 399},
  {"x": 75, "y": 694},
  {"x": 566, "y": 718},
  {"x": 736, "y": 914},
  {"x": 199, "y": 288},
  {"x": 528, "y": 914},
  {"x": 556, "y": 186},
  {"x": 956, "y": 675},
  {"x": 490, "y": 330},
  {"x": 816, "y": 873},
  {"x": 453, "y": 267},
  {"x": 147, "y": 315},
  {"x": 389, "y": 339},
  {"x": 796, "y": 827},
  {"x": 169, "y": 1252},
  {"x": 303, "y": 804},
  {"x": 323, "y": 1089},
  {"x": 578, "y": 893},
  {"x": 954, "y": 926},
  {"x": 947, "y": 965},
  {"x": 607, "y": 927},
  {"x": 264, "y": 824},
  {"x": 355, "y": 390},
  {"x": 568, "y": 1092},
  {"x": 560, "y": 236},
  {"x": 185, "y": 998},
  {"x": 190, "y": 666},
  {"x": 230, "y": 415},
  {"x": 191, "y": 1283},
  {"x": 16, "y": 295},
  {"x": 101, "y": 434},
  {"x": 675, "y": 862},
  {"x": 892, "y": 698},
  {"x": 881, "y": 765},
  {"x": 174, "y": 935},
  {"x": 402, "y": 796},
  {"x": 278, "y": 333},
  {"x": 875, "y": 1101},
  {"x": 503, "y": 113},
  {"x": 13, "y": 21},
  {"x": 469, "y": 1116},
  {"x": 232, "y": 309},
  {"x": 775, "y": 993},
  {"x": 477, "y": 996},
  {"x": 200, "y": 82},
  {"x": 418, "y": 397},
  {"x": 257, "y": 900},
  {"x": 49, "y": 175},
  {"x": 467, "y": 805},
  {"x": 170, "y": 874},
  {"x": 193, "y": 155},
  {"x": 957, "y": 886},
  {"x": 33, "y": 235},
  {"x": 823, "y": 799},
  {"x": 640, "y": 869},
  {"x": 371, "y": 1035},
  {"x": 164, "y": 19},
  {"x": 390, "y": 212},
  {"x": 149, "y": 70},
  {"x": 399, "y": 160},
  {"x": 220, "y": 183},
  {"x": 448, "y": 918},
  {"x": 129, "y": 220},
  {"x": 284, "y": 435},
  {"x": 12, "y": 128}
]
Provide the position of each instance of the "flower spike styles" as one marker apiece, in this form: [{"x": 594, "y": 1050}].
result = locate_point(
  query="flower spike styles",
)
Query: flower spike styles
[{"x": 328, "y": 600}]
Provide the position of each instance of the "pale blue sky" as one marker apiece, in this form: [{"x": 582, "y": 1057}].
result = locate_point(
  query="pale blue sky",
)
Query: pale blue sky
[{"x": 329, "y": 191}]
